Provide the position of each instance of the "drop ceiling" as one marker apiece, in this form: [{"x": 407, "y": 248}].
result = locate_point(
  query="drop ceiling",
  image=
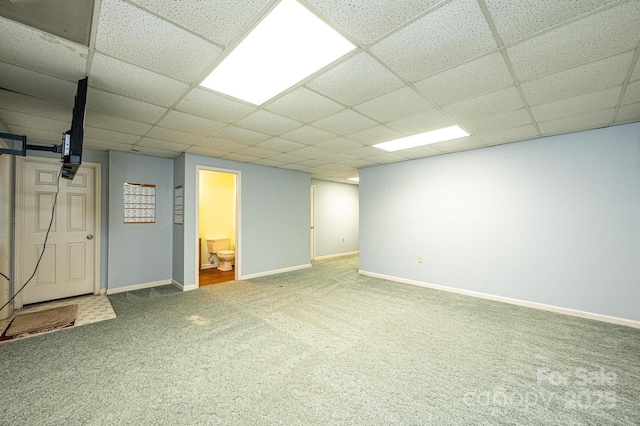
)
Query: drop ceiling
[{"x": 504, "y": 70}]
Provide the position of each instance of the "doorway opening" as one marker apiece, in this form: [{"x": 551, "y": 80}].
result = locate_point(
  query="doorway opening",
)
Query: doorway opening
[{"x": 217, "y": 231}]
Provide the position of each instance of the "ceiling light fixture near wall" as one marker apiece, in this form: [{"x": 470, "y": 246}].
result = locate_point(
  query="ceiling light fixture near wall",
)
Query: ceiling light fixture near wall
[
  {"x": 354, "y": 179},
  {"x": 288, "y": 45},
  {"x": 434, "y": 136}
]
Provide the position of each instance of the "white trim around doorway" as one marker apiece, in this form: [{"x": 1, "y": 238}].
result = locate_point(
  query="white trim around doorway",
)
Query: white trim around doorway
[{"x": 238, "y": 260}]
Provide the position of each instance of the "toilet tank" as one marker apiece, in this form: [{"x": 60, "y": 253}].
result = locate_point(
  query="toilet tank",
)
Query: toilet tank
[{"x": 217, "y": 245}]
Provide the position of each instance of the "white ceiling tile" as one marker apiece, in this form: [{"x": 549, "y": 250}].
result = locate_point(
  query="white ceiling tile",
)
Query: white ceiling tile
[
  {"x": 363, "y": 152},
  {"x": 14, "y": 118},
  {"x": 43, "y": 108},
  {"x": 174, "y": 136},
  {"x": 38, "y": 85},
  {"x": 591, "y": 120},
  {"x": 37, "y": 135},
  {"x": 367, "y": 21},
  {"x": 280, "y": 145},
  {"x": 134, "y": 35},
  {"x": 387, "y": 157},
  {"x": 452, "y": 34},
  {"x": 509, "y": 135},
  {"x": 295, "y": 167},
  {"x": 424, "y": 122},
  {"x": 607, "y": 33},
  {"x": 496, "y": 122},
  {"x": 122, "y": 78},
  {"x": 161, "y": 144},
  {"x": 219, "y": 20},
  {"x": 632, "y": 94},
  {"x": 311, "y": 163},
  {"x": 243, "y": 136},
  {"x": 269, "y": 123},
  {"x": 357, "y": 163},
  {"x": 269, "y": 162},
  {"x": 577, "y": 105},
  {"x": 375, "y": 135},
  {"x": 517, "y": 19},
  {"x": 421, "y": 152},
  {"x": 287, "y": 158},
  {"x": 336, "y": 158},
  {"x": 576, "y": 81},
  {"x": 120, "y": 106},
  {"x": 482, "y": 75},
  {"x": 110, "y": 135},
  {"x": 628, "y": 113},
  {"x": 355, "y": 80},
  {"x": 308, "y": 135},
  {"x": 235, "y": 156},
  {"x": 484, "y": 105},
  {"x": 221, "y": 145},
  {"x": 345, "y": 122},
  {"x": 29, "y": 48},
  {"x": 258, "y": 152},
  {"x": 395, "y": 105},
  {"x": 303, "y": 105},
  {"x": 190, "y": 123},
  {"x": 102, "y": 145},
  {"x": 155, "y": 152},
  {"x": 212, "y": 106},
  {"x": 461, "y": 144},
  {"x": 309, "y": 152},
  {"x": 339, "y": 144},
  {"x": 195, "y": 149},
  {"x": 102, "y": 121}
]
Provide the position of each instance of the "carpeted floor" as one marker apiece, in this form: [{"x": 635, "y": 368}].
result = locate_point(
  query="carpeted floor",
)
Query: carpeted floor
[{"x": 323, "y": 346}]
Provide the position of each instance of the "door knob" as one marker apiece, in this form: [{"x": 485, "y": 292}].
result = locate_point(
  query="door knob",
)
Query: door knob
[{"x": 89, "y": 237}]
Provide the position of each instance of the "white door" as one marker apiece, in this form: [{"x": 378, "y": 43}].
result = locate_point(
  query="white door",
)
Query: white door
[{"x": 67, "y": 267}]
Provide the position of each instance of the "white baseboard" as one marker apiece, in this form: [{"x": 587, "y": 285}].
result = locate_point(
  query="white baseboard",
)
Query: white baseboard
[
  {"x": 519, "y": 302},
  {"x": 209, "y": 266},
  {"x": 333, "y": 256},
  {"x": 183, "y": 287},
  {"x": 273, "y": 272},
  {"x": 138, "y": 286}
]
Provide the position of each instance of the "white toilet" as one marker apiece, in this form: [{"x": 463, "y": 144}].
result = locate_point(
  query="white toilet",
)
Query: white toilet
[{"x": 220, "y": 247}]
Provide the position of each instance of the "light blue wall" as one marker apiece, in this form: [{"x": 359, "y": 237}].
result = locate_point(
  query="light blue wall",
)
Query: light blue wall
[
  {"x": 554, "y": 221},
  {"x": 142, "y": 253},
  {"x": 274, "y": 217},
  {"x": 336, "y": 218}
]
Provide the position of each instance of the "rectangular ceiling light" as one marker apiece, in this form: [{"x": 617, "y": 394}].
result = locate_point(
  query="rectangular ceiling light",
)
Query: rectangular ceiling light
[
  {"x": 440, "y": 135},
  {"x": 288, "y": 45}
]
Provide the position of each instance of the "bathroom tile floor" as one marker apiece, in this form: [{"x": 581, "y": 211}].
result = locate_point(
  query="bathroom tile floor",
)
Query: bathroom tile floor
[{"x": 91, "y": 308}]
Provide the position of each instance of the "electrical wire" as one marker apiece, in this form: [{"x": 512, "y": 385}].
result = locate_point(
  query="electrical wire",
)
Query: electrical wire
[{"x": 44, "y": 245}]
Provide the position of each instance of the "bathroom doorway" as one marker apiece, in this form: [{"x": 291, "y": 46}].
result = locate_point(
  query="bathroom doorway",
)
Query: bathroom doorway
[{"x": 217, "y": 225}]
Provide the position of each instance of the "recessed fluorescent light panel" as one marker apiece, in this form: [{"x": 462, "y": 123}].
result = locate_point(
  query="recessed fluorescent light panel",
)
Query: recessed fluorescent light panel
[
  {"x": 288, "y": 45},
  {"x": 440, "y": 135}
]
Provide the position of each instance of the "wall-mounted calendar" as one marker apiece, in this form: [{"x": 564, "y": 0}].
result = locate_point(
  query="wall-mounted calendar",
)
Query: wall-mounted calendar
[{"x": 139, "y": 203}]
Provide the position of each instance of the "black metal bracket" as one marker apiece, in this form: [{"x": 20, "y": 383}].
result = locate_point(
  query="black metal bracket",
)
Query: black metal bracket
[{"x": 25, "y": 146}]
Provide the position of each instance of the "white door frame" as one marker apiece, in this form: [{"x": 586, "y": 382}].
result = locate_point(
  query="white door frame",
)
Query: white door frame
[
  {"x": 238, "y": 263},
  {"x": 313, "y": 222},
  {"x": 19, "y": 279}
]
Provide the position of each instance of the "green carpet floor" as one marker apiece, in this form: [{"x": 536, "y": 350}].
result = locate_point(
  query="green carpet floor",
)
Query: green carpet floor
[{"x": 323, "y": 346}]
